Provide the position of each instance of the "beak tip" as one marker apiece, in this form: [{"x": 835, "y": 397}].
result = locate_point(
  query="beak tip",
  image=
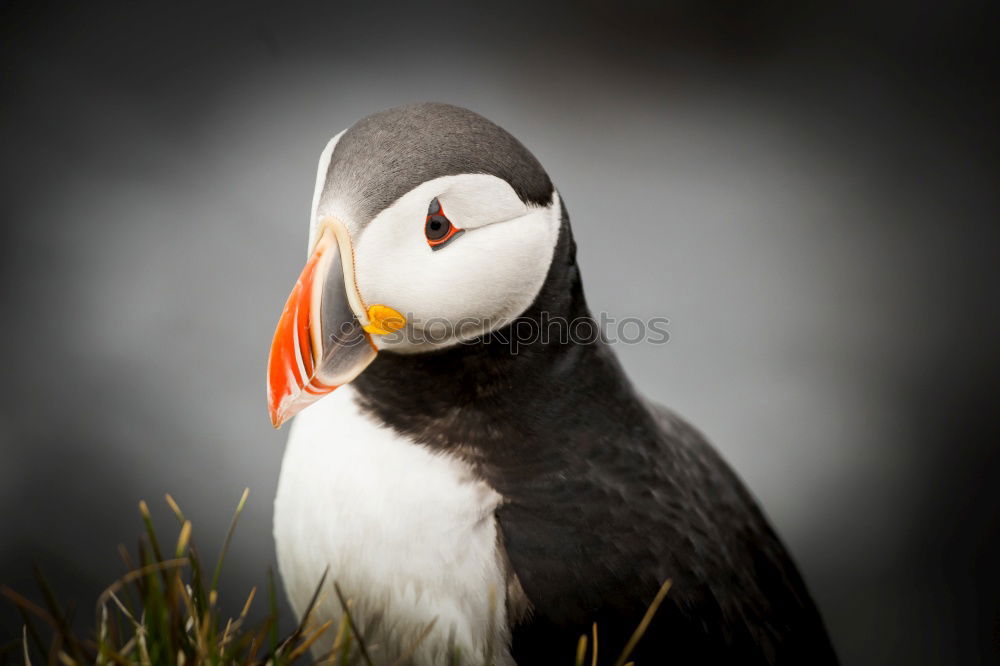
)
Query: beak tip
[
  {"x": 274, "y": 413},
  {"x": 278, "y": 417}
]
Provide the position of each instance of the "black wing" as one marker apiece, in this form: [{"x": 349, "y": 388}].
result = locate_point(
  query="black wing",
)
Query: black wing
[{"x": 595, "y": 545}]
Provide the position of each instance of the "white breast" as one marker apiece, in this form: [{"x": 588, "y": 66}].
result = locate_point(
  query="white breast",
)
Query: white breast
[{"x": 409, "y": 535}]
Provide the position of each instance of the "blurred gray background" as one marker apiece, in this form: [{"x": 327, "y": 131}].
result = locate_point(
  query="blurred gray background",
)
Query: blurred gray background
[{"x": 808, "y": 194}]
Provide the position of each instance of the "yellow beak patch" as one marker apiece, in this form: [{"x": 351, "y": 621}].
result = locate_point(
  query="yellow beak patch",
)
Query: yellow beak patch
[{"x": 384, "y": 320}]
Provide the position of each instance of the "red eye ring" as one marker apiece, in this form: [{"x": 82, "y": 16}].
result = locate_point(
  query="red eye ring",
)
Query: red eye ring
[{"x": 438, "y": 229}]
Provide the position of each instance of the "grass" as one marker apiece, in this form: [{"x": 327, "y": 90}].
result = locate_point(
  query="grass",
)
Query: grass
[{"x": 165, "y": 611}]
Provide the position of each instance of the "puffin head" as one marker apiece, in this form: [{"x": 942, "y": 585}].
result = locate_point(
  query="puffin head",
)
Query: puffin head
[{"x": 430, "y": 226}]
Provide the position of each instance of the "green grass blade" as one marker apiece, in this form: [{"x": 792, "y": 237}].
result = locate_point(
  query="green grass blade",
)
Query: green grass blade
[
  {"x": 312, "y": 605},
  {"x": 581, "y": 650},
  {"x": 228, "y": 540},
  {"x": 272, "y": 600},
  {"x": 353, "y": 627},
  {"x": 345, "y": 650},
  {"x": 26, "y": 608},
  {"x": 147, "y": 520},
  {"x": 405, "y": 657},
  {"x": 24, "y": 643},
  {"x": 644, "y": 624},
  {"x": 175, "y": 508},
  {"x": 62, "y": 622}
]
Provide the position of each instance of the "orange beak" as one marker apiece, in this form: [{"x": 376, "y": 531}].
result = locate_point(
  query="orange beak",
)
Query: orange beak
[{"x": 321, "y": 340}]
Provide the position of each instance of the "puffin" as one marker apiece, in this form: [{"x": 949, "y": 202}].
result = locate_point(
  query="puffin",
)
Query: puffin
[{"x": 480, "y": 487}]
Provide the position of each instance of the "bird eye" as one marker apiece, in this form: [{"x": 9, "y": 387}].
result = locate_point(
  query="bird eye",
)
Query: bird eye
[{"x": 438, "y": 228}]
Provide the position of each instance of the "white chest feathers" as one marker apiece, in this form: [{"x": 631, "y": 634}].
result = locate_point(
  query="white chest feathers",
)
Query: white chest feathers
[{"x": 410, "y": 536}]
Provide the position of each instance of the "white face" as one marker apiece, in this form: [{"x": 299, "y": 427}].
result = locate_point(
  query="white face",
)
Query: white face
[{"x": 478, "y": 281}]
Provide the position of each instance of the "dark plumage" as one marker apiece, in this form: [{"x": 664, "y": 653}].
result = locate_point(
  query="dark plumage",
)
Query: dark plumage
[
  {"x": 383, "y": 156},
  {"x": 606, "y": 497}
]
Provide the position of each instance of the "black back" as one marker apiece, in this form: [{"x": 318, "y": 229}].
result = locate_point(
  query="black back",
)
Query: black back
[{"x": 605, "y": 496}]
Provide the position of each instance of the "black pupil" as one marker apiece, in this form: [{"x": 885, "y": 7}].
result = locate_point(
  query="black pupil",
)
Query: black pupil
[{"x": 437, "y": 227}]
